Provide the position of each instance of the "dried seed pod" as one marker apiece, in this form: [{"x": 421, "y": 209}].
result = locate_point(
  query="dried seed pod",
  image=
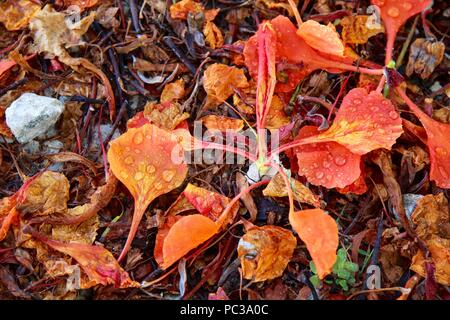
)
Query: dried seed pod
[{"x": 424, "y": 56}]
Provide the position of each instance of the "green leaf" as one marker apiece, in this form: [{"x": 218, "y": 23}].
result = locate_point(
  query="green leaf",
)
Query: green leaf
[
  {"x": 344, "y": 274},
  {"x": 313, "y": 267},
  {"x": 315, "y": 280},
  {"x": 342, "y": 283}
]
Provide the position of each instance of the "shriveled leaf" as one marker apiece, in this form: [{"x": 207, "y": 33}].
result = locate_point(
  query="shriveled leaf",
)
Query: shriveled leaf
[
  {"x": 358, "y": 29},
  {"x": 275, "y": 5},
  {"x": 47, "y": 194},
  {"x": 166, "y": 115},
  {"x": 431, "y": 216},
  {"x": 142, "y": 159},
  {"x": 219, "y": 81},
  {"x": 15, "y": 15},
  {"x": 222, "y": 123},
  {"x": 424, "y": 56},
  {"x": 247, "y": 199},
  {"x": 97, "y": 262},
  {"x": 364, "y": 122},
  {"x": 277, "y": 118},
  {"x": 213, "y": 35},
  {"x": 440, "y": 257},
  {"x": 322, "y": 38},
  {"x": 277, "y": 188},
  {"x": 265, "y": 252},
  {"x": 181, "y": 9},
  {"x": 173, "y": 91},
  {"x": 8, "y": 216},
  {"x": 327, "y": 164},
  {"x": 179, "y": 242},
  {"x": 319, "y": 232}
]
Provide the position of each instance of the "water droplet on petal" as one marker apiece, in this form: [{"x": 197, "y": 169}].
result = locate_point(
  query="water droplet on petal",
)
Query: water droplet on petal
[
  {"x": 168, "y": 175},
  {"x": 393, "y": 115},
  {"x": 319, "y": 174},
  {"x": 340, "y": 161},
  {"x": 129, "y": 160},
  {"x": 326, "y": 164},
  {"x": 150, "y": 169},
  {"x": 138, "y": 138},
  {"x": 357, "y": 101},
  {"x": 441, "y": 151},
  {"x": 124, "y": 174},
  {"x": 158, "y": 185},
  {"x": 138, "y": 176},
  {"x": 407, "y": 6},
  {"x": 374, "y": 108},
  {"x": 393, "y": 12},
  {"x": 443, "y": 172}
]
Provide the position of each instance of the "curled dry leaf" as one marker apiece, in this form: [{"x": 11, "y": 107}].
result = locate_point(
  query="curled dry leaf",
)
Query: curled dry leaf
[
  {"x": 213, "y": 35},
  {"x": 222, "y": 123},
  {"x": 171, "y": 244},
  {"x": 97, "y": 262},
  {"x": 327, "y": 164},
  {"x": 322, "y": 38},
  {"x": 181, "y": 9},
  {"x": 68, "y": 156},
  {"x": 319, "y": 232},
  {"x": 277, "y": 118},
  {"x": 424, "y": 56},
  {"x": 432, "y": 220},
  {"x": 15, "y": 15},
  {"x": 358, "y": 29},
  {"x": 364, "y": 122},
  {"x": 165, "y": 116},
  {"x": 437, "y": 142},
  {"x": 143, "y": 160},
  {"x": 173, "y": 91},
  {"x": 219, "y": 81},
  {"x": 45, "y": 195},
  {"x": 277, "y": 188},
  {"x": 247, "y": 199},
  {"x": 265, "y": 252}
]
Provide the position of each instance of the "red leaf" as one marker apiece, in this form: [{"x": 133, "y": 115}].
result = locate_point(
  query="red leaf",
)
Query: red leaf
[{"x": 327, "y": 164}]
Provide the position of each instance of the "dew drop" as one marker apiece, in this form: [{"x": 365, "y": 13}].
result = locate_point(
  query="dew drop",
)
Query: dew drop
[
  {"x": 158, "y": 185},
  {"x": 150, "y": 169},
  {"x": 441, "y": 151},
  {"x": 374, "y": 108},
  {"x": 326, "y": 164},
  {"x": 138, "y": 176},
  {"x": 129, "y": 160},
  {"x": 329, "y": 177},
  {"x": 393, "y": 12},
  {"x": 138, "y": 138},
  {"x": 340, "y": 161},
  {"x": 124, "y": 174},
  {"x": 407, "y": 6},
  {"x": 319, "y": 175},
  {"x": 393, "y": 115},
  {"x": 357, "y": 101},
  {"x": 443, "y": 172},
  {"x": 168, "y": 175}
]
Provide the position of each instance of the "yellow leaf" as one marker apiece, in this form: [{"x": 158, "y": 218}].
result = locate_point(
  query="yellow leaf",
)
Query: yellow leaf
[
  {"x": 173, "y": 91},
  {"x": 15, "y": 15},
  {"x": 213, "y": 35},
  {"x": 358, "y": 29}
]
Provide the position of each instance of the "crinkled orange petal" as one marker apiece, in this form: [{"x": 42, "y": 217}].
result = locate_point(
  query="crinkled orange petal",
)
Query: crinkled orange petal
[
  {"x": 9, "y": 219},
  {"x": 320, "y": 37},
  {"x": 149, "y": 162},
  {"x": 364, "y": 122},
  {"x": 357, "y": 187},
  {"x": 319, "y": 232},
  {"x": 98, "y": 263},
  {"x": 208, "y": 203},
  {"x": 5, "y": 65},
  {"x": 221, "y": 123},
  {"x": 326, "y": 164},
  {"x": 186, "y": 234}
]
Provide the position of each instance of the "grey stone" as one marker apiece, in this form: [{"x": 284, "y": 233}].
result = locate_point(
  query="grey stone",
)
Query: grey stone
[{"x": 31, "y": 116}]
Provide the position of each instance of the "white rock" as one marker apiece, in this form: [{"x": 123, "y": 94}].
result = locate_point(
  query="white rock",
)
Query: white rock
[{"x": 30, "y": 116}]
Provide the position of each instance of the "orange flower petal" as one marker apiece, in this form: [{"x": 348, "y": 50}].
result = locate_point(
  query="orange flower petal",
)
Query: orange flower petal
[
  {"x": 221, "y": 123},
  {"x": 327, "y": 164},
  {"x": 142, "y": 160},
  {"x": 186, "y": 234},
  {"x": 5, "y": 65},
  {"x": 364, "y": 122},
  {"x": 320, "y": 37},
  {"x": 319, "y": 232},
  {"x": 181, "y": 9},
  {"x": 98, "y": 263}
]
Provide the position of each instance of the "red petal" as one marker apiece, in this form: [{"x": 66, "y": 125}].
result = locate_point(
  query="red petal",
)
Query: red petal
[{"x": 326, "y": 164}]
